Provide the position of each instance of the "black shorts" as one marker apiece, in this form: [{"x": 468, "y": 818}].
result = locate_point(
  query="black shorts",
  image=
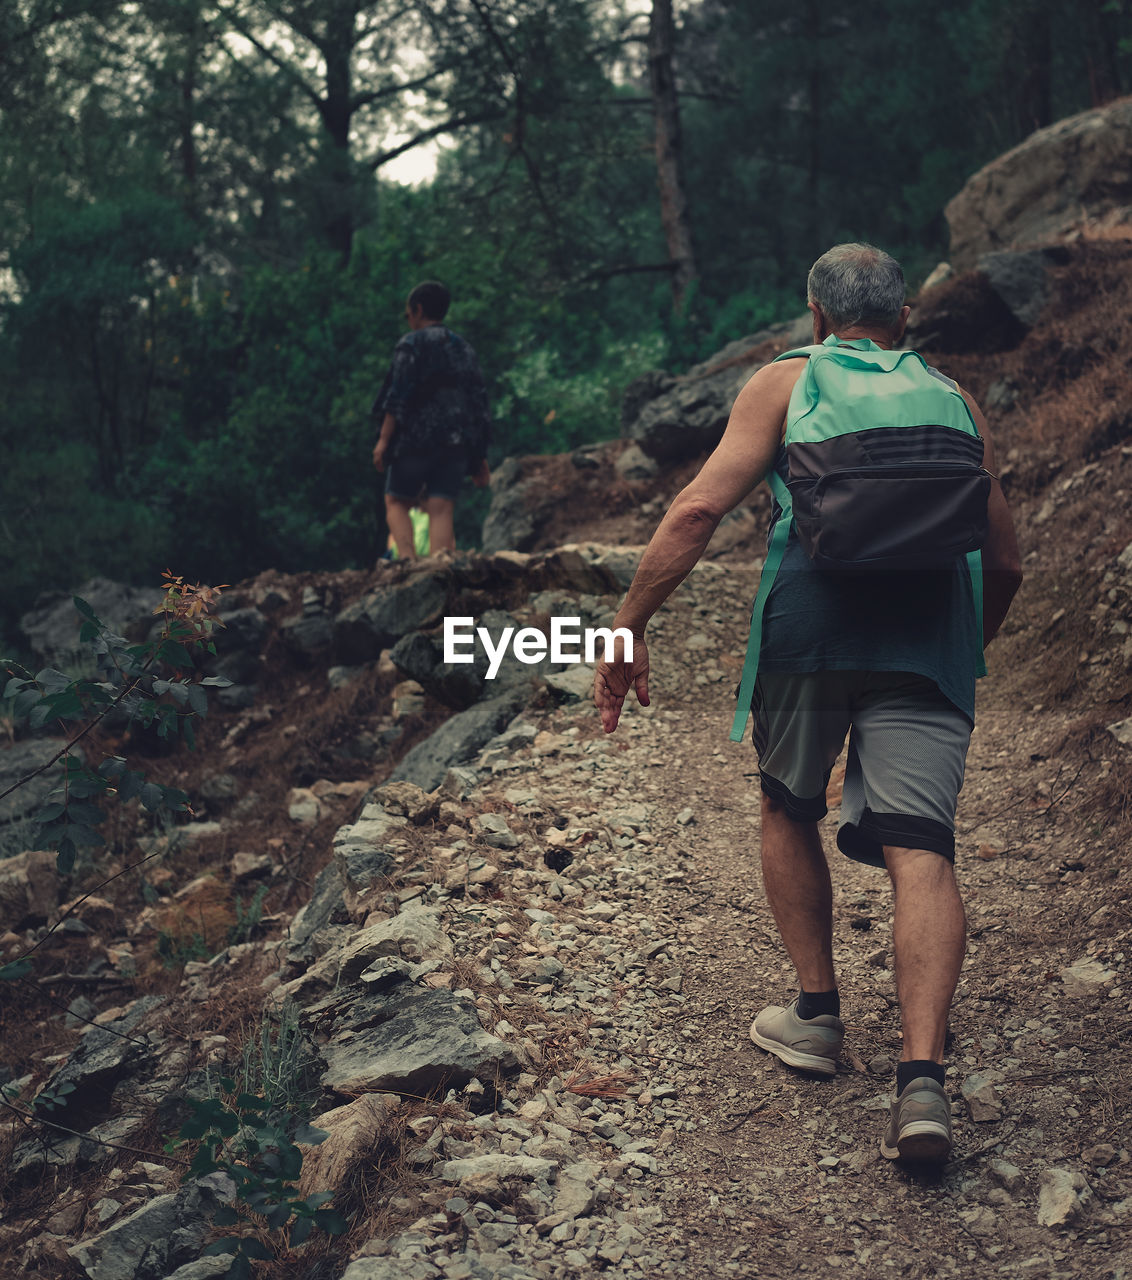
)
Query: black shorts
[{"x": 433, "y": 476}]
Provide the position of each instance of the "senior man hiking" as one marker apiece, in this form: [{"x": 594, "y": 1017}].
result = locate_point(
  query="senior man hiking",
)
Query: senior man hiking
[{"x": 870, "y": 621}]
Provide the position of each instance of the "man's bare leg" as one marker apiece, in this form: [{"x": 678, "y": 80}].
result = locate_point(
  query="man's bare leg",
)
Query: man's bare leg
[
  {"x": 796, "y": 880},
  {"x": 400, "y": 525},
  {"x": 441, "y": 530},
  {"x": 929, "y": 936}
]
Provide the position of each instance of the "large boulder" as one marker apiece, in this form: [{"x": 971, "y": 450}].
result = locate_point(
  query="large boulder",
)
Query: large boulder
[
  {"x": 420, "y": 656},
  {"x": 459, "y": 739},
  {"x": 20, "y": 761},
  {"x": 1022, "y": 280},
  {"x": 1073, "y": 170},
  {"x": 52, "y": 627},
  {"x": 520, "y": 508},
  {"x": 986, "y": 310},
  {"x": 165, "y": 1233},
  {"x": 380, "y": 618},
  {"x": 30, "y": 888},
  {"x": 238, "y": 645},
  {"x": 410, "y": 1040},
  {"x": 674, "y": 419},
  {"x": 353, "y": 1132},
  {"x": 689, "y": 417}
]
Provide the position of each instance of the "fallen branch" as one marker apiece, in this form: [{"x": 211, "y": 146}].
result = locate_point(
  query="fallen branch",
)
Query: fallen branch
[{"x": 30, "y": 1117}]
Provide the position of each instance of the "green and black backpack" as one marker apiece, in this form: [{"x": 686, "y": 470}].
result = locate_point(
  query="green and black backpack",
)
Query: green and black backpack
[{"x": 884, "y": 473}]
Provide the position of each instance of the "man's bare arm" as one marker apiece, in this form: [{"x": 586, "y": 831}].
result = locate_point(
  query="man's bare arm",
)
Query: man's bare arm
[{"x": 741, "y": 459}]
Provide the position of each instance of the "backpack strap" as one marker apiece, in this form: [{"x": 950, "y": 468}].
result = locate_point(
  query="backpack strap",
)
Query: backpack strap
[
  {"x": 975, "y": 569},
  {"x": 779, "y": 535}
]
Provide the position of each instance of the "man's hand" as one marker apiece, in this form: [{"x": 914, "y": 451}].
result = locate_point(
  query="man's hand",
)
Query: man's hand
[
  {"x": 379, "y": 451},
  {"x": 613, "y": 680},
  {"x": 481, "y": 477}
]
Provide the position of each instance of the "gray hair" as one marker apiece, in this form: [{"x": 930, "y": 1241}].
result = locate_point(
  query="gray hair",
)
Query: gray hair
[{"x": 857, "y": 284}]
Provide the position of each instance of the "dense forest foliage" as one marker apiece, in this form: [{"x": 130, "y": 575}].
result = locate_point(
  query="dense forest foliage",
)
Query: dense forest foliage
[{"x": 204, "y": 260}]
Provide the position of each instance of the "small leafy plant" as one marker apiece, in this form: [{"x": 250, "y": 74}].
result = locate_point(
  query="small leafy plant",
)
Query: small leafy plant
[
  {"x": 254, "y": 1143},
  {"x": 248, "y": 916},
  {"x": 152, "y": 684}
]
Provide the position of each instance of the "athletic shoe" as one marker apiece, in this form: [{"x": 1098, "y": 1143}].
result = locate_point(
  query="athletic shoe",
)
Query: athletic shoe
[
  {"x": 919, "y": 1126},
  {"x": 810, "y": 1044}
]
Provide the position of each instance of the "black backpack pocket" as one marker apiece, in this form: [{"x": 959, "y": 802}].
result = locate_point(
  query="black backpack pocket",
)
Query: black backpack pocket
[{"x": 910, "y": 515}]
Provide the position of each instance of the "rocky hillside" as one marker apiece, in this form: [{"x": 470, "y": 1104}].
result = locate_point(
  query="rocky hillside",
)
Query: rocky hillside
[{"x": 508, "y": 964}]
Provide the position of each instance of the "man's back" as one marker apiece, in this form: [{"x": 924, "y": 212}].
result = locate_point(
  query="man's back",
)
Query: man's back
[
  {"x": 437, "y": 394},
  {"x": 922, "y": 620}
]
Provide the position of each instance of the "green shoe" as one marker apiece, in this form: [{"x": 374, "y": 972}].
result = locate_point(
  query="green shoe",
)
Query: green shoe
[
  {"x": 809, "y": 1044},
  {"x": 919, "y": 1126}
]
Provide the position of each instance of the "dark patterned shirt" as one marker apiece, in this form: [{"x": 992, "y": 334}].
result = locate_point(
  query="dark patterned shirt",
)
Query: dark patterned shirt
[{"x": 436, "y": 392}]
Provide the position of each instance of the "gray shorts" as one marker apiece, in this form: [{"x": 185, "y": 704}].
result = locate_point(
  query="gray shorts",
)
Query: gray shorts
[{"x": 907, "y": 750}]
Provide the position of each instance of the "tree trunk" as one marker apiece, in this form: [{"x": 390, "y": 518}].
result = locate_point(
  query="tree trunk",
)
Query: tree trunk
[
  {"x": 670, "y": 178},
  {"x": 813, "y": 175},
  {"x": 337, "y": 113}
]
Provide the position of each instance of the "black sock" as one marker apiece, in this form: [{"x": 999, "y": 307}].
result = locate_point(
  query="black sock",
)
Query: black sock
[
  {"x": 906, "y": 1072},
  {"x": 812, "y": 1004}
]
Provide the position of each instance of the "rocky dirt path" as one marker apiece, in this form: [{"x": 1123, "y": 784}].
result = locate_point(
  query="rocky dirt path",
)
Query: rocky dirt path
[{"x": 763, "y": 1172}]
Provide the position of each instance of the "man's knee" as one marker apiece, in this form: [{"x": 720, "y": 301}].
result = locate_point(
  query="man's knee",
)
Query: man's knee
[{"x": 922, "y": 868}]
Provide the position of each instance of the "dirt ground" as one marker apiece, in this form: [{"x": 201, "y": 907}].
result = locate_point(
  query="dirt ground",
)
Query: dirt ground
[{"x": 782, "y": 1175}]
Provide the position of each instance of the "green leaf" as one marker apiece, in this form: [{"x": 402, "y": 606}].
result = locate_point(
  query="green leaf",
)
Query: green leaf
[
  {"x": 250, "y": 1247},
  {"x": 52, "y": 681},
  {"x": 65, "y": 860},
  {"x": 217, "y": 682},
  {"x": 310, "y": 1136},
  {"x": 15, "y": 969},
  {"x": 224, "y": 1216},
  {"x": 209, "y": 1113},
  {"x": 50, "y": 812},
  {"x": 84, "y": 837},
  {"x": 318, "y": 1199},
  {"x": 250, "y": 1102},
  {"x": 331, "y": 1222},
  {"x": 22, "y": 703},
  {"x": 39, "y": 716},
  {"x": 176, "y": 800},
  {"x": 198, "y": 700},
  {"x": 279, "y": 1216},
  {"x": 152, "y": 796},
  {"x": 300, "y": 1231},
  {"x": 179, "y": 692},
  {"x": 175, "y": 655},
  {"x": 130, "y": 786},
  {"x": 85, "y": 815},
  {"x": 85, "y": 610},
  {"x": 112, "y": 767},
  {"x": 86, "y": 784},
  {"x": 230, "y": 1244}
]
